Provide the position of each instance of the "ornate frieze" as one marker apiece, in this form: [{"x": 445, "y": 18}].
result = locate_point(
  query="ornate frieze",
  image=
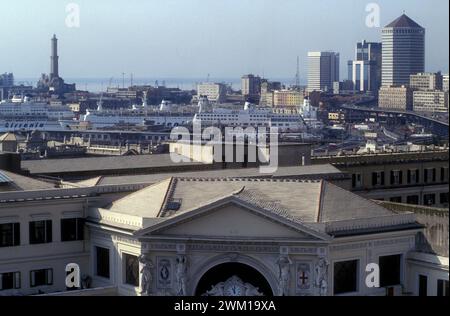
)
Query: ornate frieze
[
  {"x": 376, "y": 243},
  {"x": 126, "y": 240},
  {"x": 211, "y": 247},
  {"x": 350, "y": 246},
  {"x": 386, "y": 242},
  {"x": 161, "y": 246}
]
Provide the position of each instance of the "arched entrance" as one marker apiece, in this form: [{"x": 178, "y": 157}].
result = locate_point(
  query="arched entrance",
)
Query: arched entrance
[{"x": 233, "y": 279}]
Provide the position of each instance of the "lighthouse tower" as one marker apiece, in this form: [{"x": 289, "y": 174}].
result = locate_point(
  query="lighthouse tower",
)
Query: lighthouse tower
[{"x": 54, "y": 59}]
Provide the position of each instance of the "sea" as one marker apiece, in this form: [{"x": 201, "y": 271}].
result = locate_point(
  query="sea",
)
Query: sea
[{"x": 101, "y": 84}]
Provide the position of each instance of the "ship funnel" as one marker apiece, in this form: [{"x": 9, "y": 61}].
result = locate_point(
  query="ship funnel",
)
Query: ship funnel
[
  {"x": 164, "y": 105},
  {"x": 100, "y": 104},
  {"x": 144, "y": 100},
  {"x": 203, "y": 103}
]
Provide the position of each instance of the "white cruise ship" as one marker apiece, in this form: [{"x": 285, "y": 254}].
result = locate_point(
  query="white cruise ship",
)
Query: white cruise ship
[
  {"x": 309, "y": 114},
  {"x": 250, "y": 115},
  {"x": 138, "y": 115},
  {"x": 22, "y": 114}
]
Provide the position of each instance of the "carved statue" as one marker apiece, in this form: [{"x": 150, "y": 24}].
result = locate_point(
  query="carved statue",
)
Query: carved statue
[
  {"x": 146, "y": 274},
  {"x": 234, "y": 286},
  {"x": 181, "y": 265},
  {"x": 321, "y": 276},
  {"x": 284, "y": 266},
  {"x": 323, "y": 288},
  {"x": 216, "y": 290},
  {"x": 250, "y": 290}
]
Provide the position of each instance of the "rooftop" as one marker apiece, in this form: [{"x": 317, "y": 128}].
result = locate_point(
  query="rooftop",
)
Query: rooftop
[
  {"x": 14, "y": 182},
  {"x": 314, "y": 203},
  {"x": 296, "y": 172},
  {"x": 404, "y": 21},
  {"x": 55, "y": 166}
]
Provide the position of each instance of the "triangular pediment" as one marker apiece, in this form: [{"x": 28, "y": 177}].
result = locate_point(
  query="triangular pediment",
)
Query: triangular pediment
[{"x": 232, "y": 219}]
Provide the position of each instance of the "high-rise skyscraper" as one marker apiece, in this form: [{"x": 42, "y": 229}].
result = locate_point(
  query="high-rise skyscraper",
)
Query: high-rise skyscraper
[
  {"x": 365, "y": 70},
  {"x": 54, "y": 59},
  {"x": 323, "y": 70},
  {"x": 403, "y": 51},
  {"x": 251, "y": 85}
]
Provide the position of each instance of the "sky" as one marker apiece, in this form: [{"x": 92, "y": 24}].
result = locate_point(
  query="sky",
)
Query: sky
[{"x": 194, "y": 38}]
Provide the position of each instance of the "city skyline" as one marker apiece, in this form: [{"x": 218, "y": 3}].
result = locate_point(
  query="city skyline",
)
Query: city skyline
[{"x": 164, "y": 54}]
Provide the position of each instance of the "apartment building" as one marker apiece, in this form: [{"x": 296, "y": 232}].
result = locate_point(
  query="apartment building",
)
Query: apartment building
[{"x": 396, "y": 98}]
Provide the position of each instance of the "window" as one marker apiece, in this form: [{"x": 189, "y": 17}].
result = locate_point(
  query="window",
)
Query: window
[
  {"x": 423, "y": 285},
  {"x": 443, "y": 198},
  {"x": 345, "y": 276},
  {"x": 396, "y": 177},
  {"x": 429, "y": 199},
  {"x": 413, "y": 176},
  {"x": 131, "y": 265},
  {"x": 102, "y": 255},
  {"x": 442, "y": 288},
  {"x": 41, "y": 277},
  {"x": 356, "y": 180},
  {"x": 396, "y": 199},
  {"x": 378, "y": 178},
  {"x": 9, "y": 235},
  {"x": 444, "y": 174},
  {"x": 72, "y": 229},
  {"x": 9, "y": 280},
  {"x": 390, "y": 267},
  {"x": 429, "y": 175},
  {"x": 41, "y": 232},
  {"x": 412, "y": 199}
]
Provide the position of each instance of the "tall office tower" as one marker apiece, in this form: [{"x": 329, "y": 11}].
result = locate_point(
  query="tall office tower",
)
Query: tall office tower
[
  {"x": 54, "y": 59},
  {"x": 251, "y": 85},
  {"x": 323, "y": 70},
  {"x": 403, "y": 51},
  {"x": 365, "y": 70}
]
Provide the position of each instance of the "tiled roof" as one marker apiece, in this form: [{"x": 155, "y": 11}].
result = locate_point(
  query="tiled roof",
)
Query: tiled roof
[{"x": 309, "y": 202}]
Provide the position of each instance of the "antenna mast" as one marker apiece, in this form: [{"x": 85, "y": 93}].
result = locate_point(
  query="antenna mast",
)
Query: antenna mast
[{"x": 297, "y": 75}]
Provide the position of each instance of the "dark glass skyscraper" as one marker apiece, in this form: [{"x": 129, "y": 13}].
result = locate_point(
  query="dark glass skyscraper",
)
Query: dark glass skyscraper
[{"x": 365, "y": 70}]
